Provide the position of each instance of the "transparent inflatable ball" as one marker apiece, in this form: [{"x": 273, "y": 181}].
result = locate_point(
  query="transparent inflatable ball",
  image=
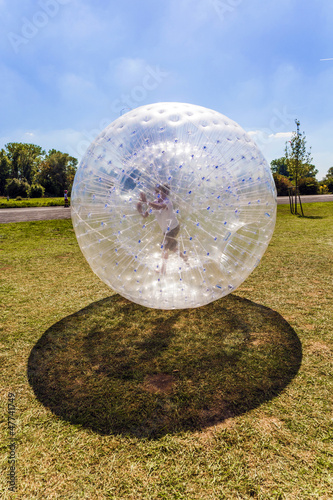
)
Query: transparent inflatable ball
[{"x": 173, "y": 205}]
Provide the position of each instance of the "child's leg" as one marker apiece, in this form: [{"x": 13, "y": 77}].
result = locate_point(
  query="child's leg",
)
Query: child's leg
[
  {"x": 183, "y": 256},
  {"x": 165, "y": 256}
]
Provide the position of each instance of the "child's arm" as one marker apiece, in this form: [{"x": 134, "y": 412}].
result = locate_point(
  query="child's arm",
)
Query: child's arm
[
  {"x": 139, "y": 209},
  {"x": 157, "y": 206}
]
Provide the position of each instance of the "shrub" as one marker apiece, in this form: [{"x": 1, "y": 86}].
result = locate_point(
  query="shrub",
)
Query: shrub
[
  {"x": 36, "y": 191},
  {"x": 329, "y": 183},
  {"x": 18, "y": 198},
  {"x": 308, "y": 185},
  {"x": 323, "y": 189},
  {"x": 17, "y": 187},
  {"x": 282, "y": 184}
]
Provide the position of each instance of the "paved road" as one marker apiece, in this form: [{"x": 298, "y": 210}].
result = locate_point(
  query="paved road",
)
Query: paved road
[
  {"x": 309, "y": 198},
  {"x": 33, "y": 214},
  {"x": 49, "y": 213}
]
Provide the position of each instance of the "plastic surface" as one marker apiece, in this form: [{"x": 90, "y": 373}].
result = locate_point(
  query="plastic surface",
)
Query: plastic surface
[{"x": 216, "y": 186}]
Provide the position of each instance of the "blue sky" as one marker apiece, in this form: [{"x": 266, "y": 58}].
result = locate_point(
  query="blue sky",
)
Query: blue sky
[{"x": 70, "y": 67}]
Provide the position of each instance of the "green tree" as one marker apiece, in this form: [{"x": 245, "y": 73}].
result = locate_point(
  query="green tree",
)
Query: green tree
[
  {"x": 298, "y": 159},
  {"x": 328, "y": 180},
  {"x": 308, "y": 185},
  {"x": 36, "y": 191},
  {"x": 279, "y": 166},
  {"x": 56, "y": 172},
  {"x": 309, "y": 170},
  {"x": 282, "y": 184},
  {"x": 5, "y": 170},
  {"x": 17, "y": 187},
  {"x": 24, "y": 160},
  {"x": 329, "y": 173}
]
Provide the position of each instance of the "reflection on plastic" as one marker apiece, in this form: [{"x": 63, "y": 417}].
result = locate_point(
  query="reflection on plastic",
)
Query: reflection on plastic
[{"x": 173, "y": 205}]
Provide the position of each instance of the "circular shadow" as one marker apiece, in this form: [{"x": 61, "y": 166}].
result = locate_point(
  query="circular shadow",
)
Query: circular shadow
[{"x": 117, "y": 367}]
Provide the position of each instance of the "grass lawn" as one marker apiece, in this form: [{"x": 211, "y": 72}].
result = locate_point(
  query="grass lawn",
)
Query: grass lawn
[
  {"x": 31, "y": 202},
  {"x": 115, "y": 401}
]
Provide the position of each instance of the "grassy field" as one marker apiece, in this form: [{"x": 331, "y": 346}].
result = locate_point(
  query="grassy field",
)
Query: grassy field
[
  {"x": 115, "y": 401},
  {"x": 31, "y": 202}
]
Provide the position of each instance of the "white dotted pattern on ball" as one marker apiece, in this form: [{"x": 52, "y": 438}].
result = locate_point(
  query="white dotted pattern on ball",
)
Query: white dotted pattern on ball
[{"x": 222, "y": 193}]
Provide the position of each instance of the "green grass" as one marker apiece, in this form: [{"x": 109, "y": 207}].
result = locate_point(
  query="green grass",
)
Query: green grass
[
  {"x": 31, "y": 202},
  {"x": 229, "y": 401}
]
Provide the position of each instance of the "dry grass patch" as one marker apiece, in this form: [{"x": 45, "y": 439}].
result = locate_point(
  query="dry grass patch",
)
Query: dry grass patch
[{"x": 318, "y": 347}]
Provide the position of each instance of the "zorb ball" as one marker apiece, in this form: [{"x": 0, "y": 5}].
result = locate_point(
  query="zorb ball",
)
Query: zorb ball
[{"x": 173, "y": 205}]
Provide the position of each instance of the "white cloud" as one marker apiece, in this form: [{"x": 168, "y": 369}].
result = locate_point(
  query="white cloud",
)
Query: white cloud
[
  {"x": 279, "y": 135},
  {"x": 260, "y": 134}
]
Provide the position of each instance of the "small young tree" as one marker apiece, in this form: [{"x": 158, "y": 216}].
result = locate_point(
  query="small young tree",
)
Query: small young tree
[{"x": 298, "y": 159}]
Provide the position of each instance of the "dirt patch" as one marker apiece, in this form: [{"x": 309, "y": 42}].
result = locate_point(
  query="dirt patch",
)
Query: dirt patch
[
  {"x": 159, "y": 383},
  {"x": 260, "y": 338}
]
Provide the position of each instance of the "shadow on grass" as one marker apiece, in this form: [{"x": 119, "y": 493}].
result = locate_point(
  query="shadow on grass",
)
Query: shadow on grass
[
  {"x": 117, "y": 367},
  {"x": 311, "y": 216}
]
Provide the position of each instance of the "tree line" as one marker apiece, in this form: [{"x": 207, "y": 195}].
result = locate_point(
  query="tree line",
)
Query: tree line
[
  {"x": 26, "y": 170},
  {"x": 295, "y": 171}
]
